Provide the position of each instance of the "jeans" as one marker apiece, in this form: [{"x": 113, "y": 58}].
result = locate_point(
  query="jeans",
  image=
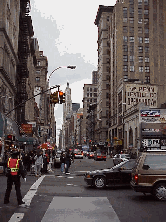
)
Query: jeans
[
  {"x": 62, "y": 167},
  {"x": 38, "y": 169}
]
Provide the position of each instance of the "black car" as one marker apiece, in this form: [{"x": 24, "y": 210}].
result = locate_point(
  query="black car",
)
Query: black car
[{"x": 119, "y": 175}]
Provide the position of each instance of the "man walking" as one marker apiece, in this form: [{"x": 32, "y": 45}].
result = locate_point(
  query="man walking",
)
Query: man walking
[
  {"x": 38, "y": 164},
  {"x": 15, "y": 169}
]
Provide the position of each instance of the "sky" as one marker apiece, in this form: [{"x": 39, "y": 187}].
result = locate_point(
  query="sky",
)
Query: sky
[{"x": 67, "y": 35}]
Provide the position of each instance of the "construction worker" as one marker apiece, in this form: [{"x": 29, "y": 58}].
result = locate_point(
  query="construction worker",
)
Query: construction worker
[{"x": 15, "y": 169}]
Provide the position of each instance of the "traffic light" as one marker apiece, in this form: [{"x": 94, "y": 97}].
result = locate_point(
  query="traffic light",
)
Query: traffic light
[
  {"x": 51, "y": 98},
  {"x": 10, "y": 137},
  {"x": 62, "y": 97},
  {"x": 55, "y": 97}
]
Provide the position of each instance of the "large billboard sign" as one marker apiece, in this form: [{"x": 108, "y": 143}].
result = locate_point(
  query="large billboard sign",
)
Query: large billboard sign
[
  {"x": 26, "y": 128},
  {"x": 136, "y": 93}
]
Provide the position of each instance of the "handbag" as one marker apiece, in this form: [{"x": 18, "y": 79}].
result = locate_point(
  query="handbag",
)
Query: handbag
[{"x": 7, "y": 171}]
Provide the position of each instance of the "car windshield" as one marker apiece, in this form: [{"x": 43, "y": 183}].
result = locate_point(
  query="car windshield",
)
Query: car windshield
[
  {"x": 126, "y": 164},
  {"x": 124, "y": 155}
]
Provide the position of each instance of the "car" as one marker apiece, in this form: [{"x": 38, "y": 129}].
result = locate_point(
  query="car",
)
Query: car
[
  {"x": 99, "y": 156},
  {"x": 118, "y": 158},
  {"x": 90, "y": 155},
  {"x": 149, "y": 175},
  {"x": 78, "y": 154},
  {"x": 57, "y": 161},
  {"x": 119, "y": 175}
]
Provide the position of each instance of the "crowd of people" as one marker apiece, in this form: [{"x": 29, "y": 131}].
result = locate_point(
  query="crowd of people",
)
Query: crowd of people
[{"x": 33, "y": 161}]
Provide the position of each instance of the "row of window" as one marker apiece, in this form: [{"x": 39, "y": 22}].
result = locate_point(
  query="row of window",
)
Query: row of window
[
  {"x": 140, "y": 29},
  {"x": 132, "y": 68},
  {"x": 91, "y": 100},
  {"x": 90, "y": 89},
  {"x": 91, "y": 94},
  {"x": 131, "y": 58},
  {"x": 140, "y": 20},
  {"x": 131, "y": 49},
  {"x": 132, "y": 38}
]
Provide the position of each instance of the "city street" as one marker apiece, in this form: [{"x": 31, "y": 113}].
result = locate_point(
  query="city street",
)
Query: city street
[{"x": 60, "y": 197}]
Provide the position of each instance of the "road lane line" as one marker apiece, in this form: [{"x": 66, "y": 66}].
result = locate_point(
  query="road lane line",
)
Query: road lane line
[
  {"x": 16, "y": 217},
  {"x": 32, "y": 191}
]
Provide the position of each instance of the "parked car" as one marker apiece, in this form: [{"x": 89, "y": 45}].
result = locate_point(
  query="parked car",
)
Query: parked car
[
  {"x": 57, "y": 161},
  {"x": 118, "y": 158},
  {"x": 119, "y": 175},
  {"x": 90, "y": 155},
  {"x": 99, "y": 156},
  {"x": 78, "y": 154},
  {"x": 149, "y": 175}
]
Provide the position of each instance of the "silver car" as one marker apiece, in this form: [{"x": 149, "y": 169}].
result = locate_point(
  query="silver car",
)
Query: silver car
[{"x": 118, "y": 158}]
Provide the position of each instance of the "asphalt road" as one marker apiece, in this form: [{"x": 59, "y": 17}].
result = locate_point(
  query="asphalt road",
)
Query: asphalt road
[{"x": 60, "y": 197}]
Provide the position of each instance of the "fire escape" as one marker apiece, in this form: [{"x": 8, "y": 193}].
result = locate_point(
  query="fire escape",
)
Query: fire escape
[{"x": 25, "y": 32}]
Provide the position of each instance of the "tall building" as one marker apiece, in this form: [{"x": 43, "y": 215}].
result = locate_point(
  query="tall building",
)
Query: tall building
[
  {"x": 94, "y": 77},
  {"x": 138, "y": 61},
  {"x": 103, "y": 102},
  {"x": 89, "y": 98}
]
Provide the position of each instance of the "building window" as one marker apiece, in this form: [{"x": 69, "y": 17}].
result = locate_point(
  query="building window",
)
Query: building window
[
  {"x": 147, "y": 69},
  {"x": 37, "y": 79},
  {"x": 140, "y": 39},
  {"x": 90, "y": 94},
  {"x": 140, "y": 49},
  {"x": 107, "y": 60},
  {"x": 140, "y": 30},
  {"x": 131, "y": 10},
  {"x": 131, "y": 39},
  {"x": 132, "y": 68},
  {"x": 125, "y": 29},
  {"x": 146, "y": 2},
  {"x": 131, "y": 48},
  {"x": 139, "y": 2},
  {"x": 90, "y": 89},
  {"x": 146, "y": 49},
  {"x": 146, "y": 30},
  {"x": 125, "y": 38},
  {"x": 87, "y": 94},
  {"x": 125, "y": 58},
  {"x": 140, "y": 58},
  {"x": 107, "y": 95},
  {"x": 131, "y": 58},
  {"x": 108, "y": 69},
  {"x": 38, "y": 63},
  {"x": 131, "y": 20},
  {"x": 125, "y": 68},
  {"x": 146, "y": 59},
  {"x": 147, "y": 79},
  {"x": 95, "y": 89},
  {"x": 146, "y": 40},
  {"x": 125, "y": 10},
  {"x": 131, "y": 29},
  {"x": 108, "y": 18},
  {"x": 125, "y": 19},
  {"x": 95, "y": 100},
  {"x": 146, "y": 21},
  {"x": 87, "y": 100},
  {"x": 95, "y": 94},
  {"x": 87, "y": 88},
  {"x": 139, "y": 21},
  {"x": 107, "y": 103},
  {"x": 107, "y": 86},
  {"x": 146, "y": 11},
  {"x": 140, "y": 68},
  {"x": 38, "y": 72},
  {"x": 139, "y": 11},
  {"x": 125, "y": 48}
]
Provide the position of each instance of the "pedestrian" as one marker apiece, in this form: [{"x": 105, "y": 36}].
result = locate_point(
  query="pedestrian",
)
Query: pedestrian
[
  {"x": 72, "y": 156},
  {"x": 15, "y": 166},
  {"x": 62, "y": 160},
  {"x": 67, "y": 161},
  {"x": 45, "y": 163},
  {"x": 38, "y": 164}
]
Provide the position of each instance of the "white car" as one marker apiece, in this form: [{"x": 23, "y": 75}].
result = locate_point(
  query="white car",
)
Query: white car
[
  {"x": 118, "y": 158},
  {"x": 78, "y": 154}
]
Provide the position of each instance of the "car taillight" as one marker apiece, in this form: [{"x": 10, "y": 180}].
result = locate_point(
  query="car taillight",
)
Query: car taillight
[{"x": 136, "y": 178}]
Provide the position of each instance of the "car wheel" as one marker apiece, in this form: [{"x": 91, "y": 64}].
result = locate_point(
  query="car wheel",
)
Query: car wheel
[
  {"x": 159, "y": 191},
  {"x": 100, "y": 182}
]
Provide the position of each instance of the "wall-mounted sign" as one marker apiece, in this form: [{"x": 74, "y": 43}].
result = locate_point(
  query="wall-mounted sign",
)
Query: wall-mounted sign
[
  {"x": 26, "y": 128},
  {"x": 151, "y": 143},
  {"x": 150, "y": 113},
  {"x": 136, "y": 93}
]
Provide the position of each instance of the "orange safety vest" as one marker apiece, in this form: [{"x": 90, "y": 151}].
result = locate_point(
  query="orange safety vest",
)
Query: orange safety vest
[{"x": 13, "y": 164}]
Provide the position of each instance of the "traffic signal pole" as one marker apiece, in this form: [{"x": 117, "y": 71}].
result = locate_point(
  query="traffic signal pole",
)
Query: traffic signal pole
[{"x": 53, "y": 87}]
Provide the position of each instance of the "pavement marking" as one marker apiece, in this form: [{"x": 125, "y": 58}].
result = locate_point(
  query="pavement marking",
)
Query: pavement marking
[
  {"x": 16, "y": 217},
  {"x": 70, "y": 177},
  {"x": 69, "y": 184},
  {"x": 32, "y": 191},
  {"x": 82, "y": 209}
]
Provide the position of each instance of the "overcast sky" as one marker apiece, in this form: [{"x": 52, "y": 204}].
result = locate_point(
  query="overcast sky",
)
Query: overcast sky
[{"x": 67, "y": 35}]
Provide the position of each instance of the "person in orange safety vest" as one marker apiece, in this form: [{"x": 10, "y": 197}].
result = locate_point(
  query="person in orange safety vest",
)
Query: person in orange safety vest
[{"x": 16, "y": 169}]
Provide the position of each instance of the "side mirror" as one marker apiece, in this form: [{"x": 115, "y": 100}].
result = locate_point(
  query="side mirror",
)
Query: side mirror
[{"x": 145, "y": 167}]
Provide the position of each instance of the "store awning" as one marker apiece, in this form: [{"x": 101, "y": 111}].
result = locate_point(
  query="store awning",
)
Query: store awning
[{"x": 27, "y": 140}]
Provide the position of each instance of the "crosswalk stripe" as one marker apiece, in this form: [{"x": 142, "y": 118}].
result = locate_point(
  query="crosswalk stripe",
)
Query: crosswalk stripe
[
  {"x": 82, "y": 209},
  {"x": 16, "y": 217}
]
